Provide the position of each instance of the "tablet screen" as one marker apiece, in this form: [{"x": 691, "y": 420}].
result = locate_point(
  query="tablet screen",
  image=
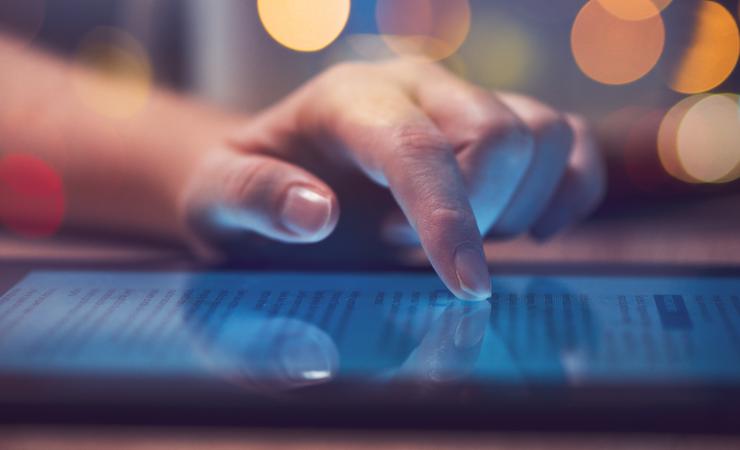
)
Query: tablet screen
[{"x": 289, "y": 329}]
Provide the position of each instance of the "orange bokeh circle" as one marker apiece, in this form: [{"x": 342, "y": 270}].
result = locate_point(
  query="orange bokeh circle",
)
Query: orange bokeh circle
[
  {"x": 425, "y": 29},
  {"x": 634, "y": 9},
  {"x": 713, "y": 53},
  {"x": 615, "y": 51}
]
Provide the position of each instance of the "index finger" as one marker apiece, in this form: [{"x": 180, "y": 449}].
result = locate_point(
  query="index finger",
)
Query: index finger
[{"x": 396, "y": 144}]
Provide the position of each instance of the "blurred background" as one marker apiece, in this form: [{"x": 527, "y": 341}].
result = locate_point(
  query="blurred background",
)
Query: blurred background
[{"x": 658, "y": 79}]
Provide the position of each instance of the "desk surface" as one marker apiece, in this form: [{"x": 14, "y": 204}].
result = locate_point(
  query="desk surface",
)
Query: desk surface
[
  {"x": 696, "y": 233},
  {"x": 147, "y": 439}
]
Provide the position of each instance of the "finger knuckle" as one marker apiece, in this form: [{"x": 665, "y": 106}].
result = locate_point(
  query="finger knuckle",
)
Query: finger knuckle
[
  {"x": 496, "y": 125},
  {"x": 344, "y": 70},
  {"x": 551, "y": 123},
  {"x": 442, "y": 219},
  {"x": 553, "y": 130},
  {"x": 447, "y": 216},
  {"x": 244, "y": 181},
  {"x": 405, "y": 66},
  {"x": 577, "y": 122},
  {"x": 419, "y": 141}
]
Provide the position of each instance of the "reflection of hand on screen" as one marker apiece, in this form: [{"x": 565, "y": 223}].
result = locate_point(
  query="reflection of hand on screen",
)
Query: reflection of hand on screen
[
  {"x": 271, "y": 355},
  {"x": 449, "y": 348}
]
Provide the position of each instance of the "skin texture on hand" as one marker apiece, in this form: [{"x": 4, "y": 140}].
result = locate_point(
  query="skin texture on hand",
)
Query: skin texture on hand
[
  {"x": 416, "y": 155},
  {"x": 460, "y": 162}
]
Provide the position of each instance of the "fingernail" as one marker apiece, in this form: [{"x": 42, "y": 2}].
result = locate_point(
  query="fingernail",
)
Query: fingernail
[
  {"x": 471, "y": 329},
  {"x": 306, "y": 211},
  {"x": 305, "y": 360},
  {"x": 472, "y": 273}
]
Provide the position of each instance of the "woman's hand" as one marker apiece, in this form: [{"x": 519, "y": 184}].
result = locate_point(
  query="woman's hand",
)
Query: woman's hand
[{"x": 459, "y": 161}]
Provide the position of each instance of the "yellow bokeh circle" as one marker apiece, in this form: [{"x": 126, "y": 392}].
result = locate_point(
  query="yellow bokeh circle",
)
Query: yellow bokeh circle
[
  {"x": 668, "y": 138},
  {"x": 614, "y": 51},
  {"x": 117, "y": 77},
  {"x": 424, "y": 29},
  {"x": 304, "y": 25},
  {"x": 501, "y": 52},
  {"x": 708, "y": 139},
  {"x": 713, "y": 52}
]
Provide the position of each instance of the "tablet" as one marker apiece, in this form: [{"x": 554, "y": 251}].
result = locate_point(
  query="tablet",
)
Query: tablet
[{"x": 551, "y": 349}]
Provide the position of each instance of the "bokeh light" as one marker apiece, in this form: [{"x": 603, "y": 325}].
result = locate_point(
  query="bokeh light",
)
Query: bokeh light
[
  {"x": 668, "y": 138},
  {"x": 634, "y": 9},
  {"x": 713, "y": 52},
  {"x": 22, "y": 18},
  {"x": 118, "y": 80},
  {"x": 708, "y": 139},
  {"x": 500, "y": 52},
  {"x": 425, "y": 29},
  {"x": 304, "y": 25},
  {"x": 32, "y": 202},
  {"x": 615, "y": 51}
]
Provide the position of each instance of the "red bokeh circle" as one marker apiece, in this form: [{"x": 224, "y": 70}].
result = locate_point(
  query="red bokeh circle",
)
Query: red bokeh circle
[{"x": 32, "y": 202}]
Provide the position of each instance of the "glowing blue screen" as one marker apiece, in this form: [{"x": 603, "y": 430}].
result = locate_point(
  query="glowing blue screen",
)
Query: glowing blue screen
[{"x": 301, "y": 327}]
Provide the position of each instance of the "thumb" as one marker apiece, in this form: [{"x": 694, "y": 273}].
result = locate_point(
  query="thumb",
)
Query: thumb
[{"x": 232, "y": 194}]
